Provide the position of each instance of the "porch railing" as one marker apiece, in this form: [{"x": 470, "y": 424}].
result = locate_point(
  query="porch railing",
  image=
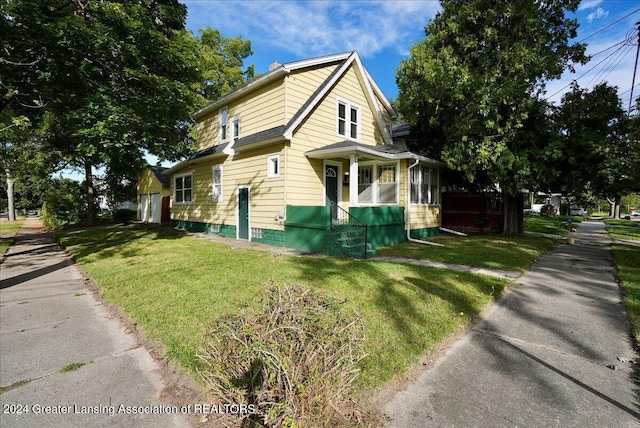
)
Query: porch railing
[{"x": 349, "y": 234}]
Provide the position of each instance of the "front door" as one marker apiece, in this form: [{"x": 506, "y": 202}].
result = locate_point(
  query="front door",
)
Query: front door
[
  {"x": 331, "y": 188},
  {"x": 243, "y": 213}
]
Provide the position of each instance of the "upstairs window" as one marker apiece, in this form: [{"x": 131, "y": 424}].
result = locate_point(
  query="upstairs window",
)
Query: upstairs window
[
  {"x": 273, "y": 166},
  {"x": 224, "y": 117},
  {"x": 348, "y": 119}
]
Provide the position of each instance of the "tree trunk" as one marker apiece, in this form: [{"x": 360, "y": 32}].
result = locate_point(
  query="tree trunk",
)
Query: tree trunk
[
  {"x": 88, "y": 174},
  {"x": 618, "y": 204},
  {"x": 510, "y": 214},
  {"x": 11, "y": 207}
]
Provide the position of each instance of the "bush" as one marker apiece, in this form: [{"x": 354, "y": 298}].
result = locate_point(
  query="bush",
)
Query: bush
[
  {"x": 64, "y": 204},
  {"x": 547, "y": 211},
  {"x": 292, "y": 364},
  {"x": 124, "y": 216}
]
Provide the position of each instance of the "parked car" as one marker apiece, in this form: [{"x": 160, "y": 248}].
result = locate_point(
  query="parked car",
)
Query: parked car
[
  {"x": 635, "y": 213},
  {"x": 579, "y": 212}
]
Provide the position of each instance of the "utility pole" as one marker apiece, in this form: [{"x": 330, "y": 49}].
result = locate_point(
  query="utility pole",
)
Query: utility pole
[{"x": 633, "y": 80}]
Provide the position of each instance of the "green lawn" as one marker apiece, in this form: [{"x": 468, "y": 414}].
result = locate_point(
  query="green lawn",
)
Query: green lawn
[
  {"x": 489, "y": 251},
  {"x": 551, "y": 225},
  {"x": 627, "y": 258},
  {"x": 623, "y": 229},
  {"x": 176, "y": 286},
  {"x": 8, "y": 229}
]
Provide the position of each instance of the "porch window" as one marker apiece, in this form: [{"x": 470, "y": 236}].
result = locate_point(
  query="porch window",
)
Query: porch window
[
  {"x": 216, "y": 183},
  {"x": 183, "y": 189},
  {"x": 348, "y": 119},
  {"x": 424, "y": 185},
  {"x": 378, "y": 184},
  {"x": 365, "y": 184},
  {"x": 387, "y": 184}
]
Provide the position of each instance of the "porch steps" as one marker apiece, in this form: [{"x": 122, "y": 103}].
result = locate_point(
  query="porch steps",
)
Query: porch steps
[{"x": 348, "y": 240}]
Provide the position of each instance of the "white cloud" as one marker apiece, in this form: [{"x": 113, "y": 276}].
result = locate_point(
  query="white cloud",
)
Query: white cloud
[
  {"x": 589, "y": 4},
  {"x": 312, "y": 28},
  {"x": 598, "y": 14}
]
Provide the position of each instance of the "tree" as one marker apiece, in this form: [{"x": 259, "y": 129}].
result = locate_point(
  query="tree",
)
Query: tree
[
  {"x": 116, "y": 77},
  {"x": 471, "y": 85},
  {"x": 600, "y": 154},
  {"x": 222, "y": 60}
]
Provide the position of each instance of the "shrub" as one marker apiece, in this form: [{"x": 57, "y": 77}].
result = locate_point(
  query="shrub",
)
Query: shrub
[
  {"x": 292, "y": 364},
  {"x": 124, "y": 216},
  {"x": 547, "y": 211},
  {"x": 64, "y": 204}
]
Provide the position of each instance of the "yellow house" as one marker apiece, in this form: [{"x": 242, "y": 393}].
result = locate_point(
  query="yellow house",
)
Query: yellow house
[
  {"x": 306, "y": 157},
  {"x": 154, "y": 189}
]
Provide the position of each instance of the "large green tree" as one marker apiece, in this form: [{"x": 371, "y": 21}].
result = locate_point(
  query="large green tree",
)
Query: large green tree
[
  {"x": 600, "y": 152},
  {"x": 116, "y": 77},
  {"x": 471, "y": 86}
]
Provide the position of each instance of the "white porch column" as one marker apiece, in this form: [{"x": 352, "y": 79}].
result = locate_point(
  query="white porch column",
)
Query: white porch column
[{"x": 353, "y": 180}]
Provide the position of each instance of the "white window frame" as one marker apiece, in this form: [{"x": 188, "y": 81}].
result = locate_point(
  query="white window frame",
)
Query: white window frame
[
  {"x": 175, "y": 189},
  {"x": 428, "y": 191},
  {"x": 271, "y": 171},
  {"x": 235, "y": 127},
  {"x": 347, "y": 119},
  {"x": 375, "y": 185},
  {"x": 216, "y": 198},
  {"x": 223, "y": 122}
]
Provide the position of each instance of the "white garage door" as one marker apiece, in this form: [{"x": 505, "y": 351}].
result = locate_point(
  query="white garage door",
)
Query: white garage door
[
  {"x": 156, "y": 208},
  {"x": 144, "y": 208}
]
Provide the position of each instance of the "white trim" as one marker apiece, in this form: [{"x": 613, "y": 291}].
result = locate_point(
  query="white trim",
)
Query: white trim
[
  {"x": 349, "y": 105},
  {"x": 173, "y": 185},
  {"x": 326, "y": 163},
  {"x": 248, "y": 187},
  {"x": 270, "y": 172}
]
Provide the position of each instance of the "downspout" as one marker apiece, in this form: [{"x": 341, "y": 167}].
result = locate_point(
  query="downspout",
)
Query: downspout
[{"x": 409, "y": 238}]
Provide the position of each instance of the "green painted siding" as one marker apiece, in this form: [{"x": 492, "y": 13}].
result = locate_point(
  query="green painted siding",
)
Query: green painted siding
[
  {"x": 271, "y": 237},
  {"x": 386, "y": 224},
  {"x": 427, "y": 232},
  {"x": 306, "y": 228},
  {"x": 195, "y": 226}
]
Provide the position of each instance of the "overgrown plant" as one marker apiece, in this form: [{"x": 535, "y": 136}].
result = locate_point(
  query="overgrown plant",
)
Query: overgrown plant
[{"x": 291, "y": 364}]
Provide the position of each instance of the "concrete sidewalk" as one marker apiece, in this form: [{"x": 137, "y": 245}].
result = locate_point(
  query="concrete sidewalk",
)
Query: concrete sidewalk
[
  {"x": 49, "y": 320},
  {"x": 553, "y": 352}
]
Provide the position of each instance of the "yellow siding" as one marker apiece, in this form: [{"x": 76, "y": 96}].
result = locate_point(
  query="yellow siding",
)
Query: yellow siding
[
  {"x": 266, "y": 194},
  {"x": 148, "y": 184},
  {"x": 300, "y": 85},
  {"x": 305, "y": 180},
  {"x": 260, "y": 110}
]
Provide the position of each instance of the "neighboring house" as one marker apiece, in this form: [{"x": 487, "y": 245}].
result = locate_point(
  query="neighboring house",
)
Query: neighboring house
[
  {"x": 154, "y": 189},
  {"x": 303, "y": 157}
]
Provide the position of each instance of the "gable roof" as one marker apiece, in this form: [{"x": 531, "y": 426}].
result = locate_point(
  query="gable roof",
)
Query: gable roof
[
  {"x": 395, "y": 151},
  {"x": 158, "y": 171}
]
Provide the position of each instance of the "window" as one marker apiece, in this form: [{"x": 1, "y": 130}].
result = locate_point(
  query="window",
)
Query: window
[
  {"x": 424, "y": 185},
  {"x": 348, "y": 119},
  {"x": 257, "y": 233},
  {"x": 216, "y": 183},
  {"x": 387, "y": 184},
  {"x": 378, "y": 184},
  {"x": 183, "y": 189},
  {"x": 235, "y": 127},
  {"x": 224, "y": 113},
  {"x": 273, "y": 166}
]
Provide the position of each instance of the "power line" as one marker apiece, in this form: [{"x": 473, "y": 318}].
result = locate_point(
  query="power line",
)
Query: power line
[{"x": 610, "y": 25}]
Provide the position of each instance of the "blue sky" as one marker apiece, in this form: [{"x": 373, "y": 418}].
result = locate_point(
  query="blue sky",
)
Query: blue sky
[{"x": 383, "y": 32}]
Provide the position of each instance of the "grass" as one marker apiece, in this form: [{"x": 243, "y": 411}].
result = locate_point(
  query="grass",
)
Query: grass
[
  {"x": 489, "y": 251},
  {"x": 175, "y": 287},
  {"x": 549, "y": 225},
  {"x": 623, "y": 229},
  {"x": 71, "y": 367},
  {"x": 8, "y": 230},
  {"x": 627, "y": 258}
]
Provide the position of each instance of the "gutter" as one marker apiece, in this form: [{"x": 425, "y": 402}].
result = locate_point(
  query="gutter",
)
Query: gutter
[{"x": 409, "y": 238}]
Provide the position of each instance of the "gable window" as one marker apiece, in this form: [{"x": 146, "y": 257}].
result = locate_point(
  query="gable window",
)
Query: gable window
[
  {"x": 348, "y": 119},
  {"x": 183, "y": 189},
  {"x": 273, "y": 166},
  {"x": 216, "y": 183},
  {"x": 378, "y": 184},
  {"x": 224, "y": 117},
  {"x": 424, "y": 185}
]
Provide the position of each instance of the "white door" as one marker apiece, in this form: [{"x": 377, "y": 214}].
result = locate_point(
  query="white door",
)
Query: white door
[
  {"x": 144, "y": 208},
  {"x": 156, "y": 206}
]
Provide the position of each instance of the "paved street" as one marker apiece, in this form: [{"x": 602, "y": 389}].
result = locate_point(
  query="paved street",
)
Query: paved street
[
  {"x": 64, "y": 361},
  {"x": 551, "y": 353}
]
